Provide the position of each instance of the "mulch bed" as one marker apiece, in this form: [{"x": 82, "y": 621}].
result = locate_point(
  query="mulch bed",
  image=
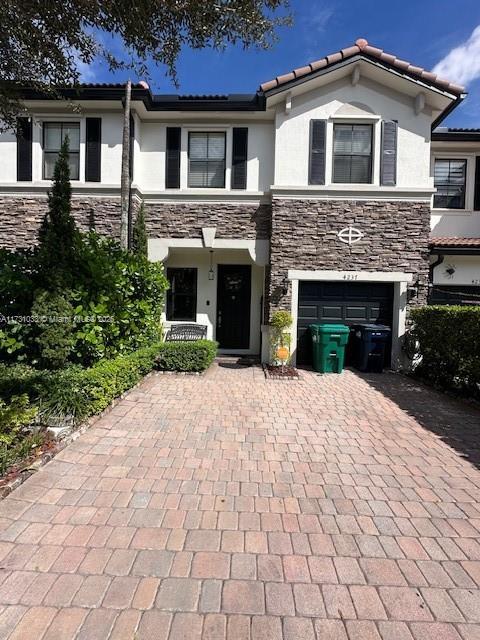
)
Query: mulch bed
[
  {"x": 279, "y": 372},
  {"x": 46, "y": 450}
]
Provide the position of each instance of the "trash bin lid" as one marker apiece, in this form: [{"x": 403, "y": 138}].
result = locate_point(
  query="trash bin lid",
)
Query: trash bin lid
[
  {"x": 332, "y": 328},
  {"x": 369, "y": 326}
]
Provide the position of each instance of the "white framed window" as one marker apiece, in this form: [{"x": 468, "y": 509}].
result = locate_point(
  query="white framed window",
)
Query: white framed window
[
  {"x": 352, "y": 153},
  {"x": 450, "y": 181},
  {"x": 54, "y": 134},
  {"x": 206, "y": 159}
]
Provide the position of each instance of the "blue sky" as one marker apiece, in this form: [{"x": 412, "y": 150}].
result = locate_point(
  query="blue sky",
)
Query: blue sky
[{"x": 424, "y": 32}]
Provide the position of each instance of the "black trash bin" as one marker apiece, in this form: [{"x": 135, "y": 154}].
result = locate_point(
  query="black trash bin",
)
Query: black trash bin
[{"x": 371, "y": 344}]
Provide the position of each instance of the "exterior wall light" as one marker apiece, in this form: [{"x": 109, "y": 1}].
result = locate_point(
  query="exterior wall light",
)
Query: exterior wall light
[
  {"x": 285, "y": 286},
  {"x": 211, "y": 272},
  {"x": 414, "y": 288}
]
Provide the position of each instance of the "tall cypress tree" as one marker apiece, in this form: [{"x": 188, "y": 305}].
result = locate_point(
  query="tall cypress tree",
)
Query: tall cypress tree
[
  {"x": 58, "y": 233},
  {"x": 139, "y": 239}
]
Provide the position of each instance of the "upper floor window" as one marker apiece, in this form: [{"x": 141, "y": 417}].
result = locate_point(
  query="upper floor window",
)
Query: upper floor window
[
  {"x": 206, "y": 159},
  {"x": 352, "y": 153},
  {"x": 449, "y": 180},
  {"x": 54, "y": 133}
]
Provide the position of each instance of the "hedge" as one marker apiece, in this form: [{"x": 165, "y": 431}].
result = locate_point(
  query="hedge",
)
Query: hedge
[
  {"x": 187, "y": 356},
  {"x": 77, "y": 391},
  {"x": 83, "y": 392},
  {"x": 449, "y": 345}
]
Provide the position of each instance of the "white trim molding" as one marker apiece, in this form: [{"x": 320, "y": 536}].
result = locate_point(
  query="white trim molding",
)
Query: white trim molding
[
  {"x": 351, "y": 192},
  {"x": 354, "y": 276},
  {"x": 399, "y": 279},
  {"x": 159, "y": 248}
]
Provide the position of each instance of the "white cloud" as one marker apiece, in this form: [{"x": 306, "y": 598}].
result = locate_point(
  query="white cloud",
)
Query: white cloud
[
  {"x": 318, "y": 20},
  {"x": 462, "y": 64},
  {"x": 86, "y": 72},
  {"x": 314, "y": 23}
]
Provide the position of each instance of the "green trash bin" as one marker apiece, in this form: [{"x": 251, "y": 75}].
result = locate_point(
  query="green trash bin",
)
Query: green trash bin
[{"x": 329, "y": 342}]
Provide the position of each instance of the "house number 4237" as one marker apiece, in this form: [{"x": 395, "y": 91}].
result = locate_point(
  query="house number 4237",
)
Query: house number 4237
[{"x": 350, "y": 276}]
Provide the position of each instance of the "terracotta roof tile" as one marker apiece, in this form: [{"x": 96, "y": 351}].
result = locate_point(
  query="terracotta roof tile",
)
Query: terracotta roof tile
[
  {"x": 401, "y": 64},
  {"x": 302, "y": 71},
  {"x": 373, "y": 51},
  {"x": 428, "y": 76},
  {"x": 362, "y": 47},
  {"x": 388, "y": 58},
  {"x": 334, "y": 57},
  {"x": 319, "y": 64},
  {"x": 455, "y": 242},
  {"x": 350, "y": 51}
]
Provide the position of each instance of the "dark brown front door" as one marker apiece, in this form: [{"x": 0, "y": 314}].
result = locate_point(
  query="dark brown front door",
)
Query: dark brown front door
[{"x": 233, "y": 306}]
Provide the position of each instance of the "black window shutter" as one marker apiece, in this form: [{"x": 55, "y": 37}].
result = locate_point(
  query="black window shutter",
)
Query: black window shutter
[
  {"x": 317, "y": 152},
  {"x": 239, "y": 157},
  {"x": 172, "y": 159},
  {"x": 388, "y": 168},
  {"x": 476, "y": 197},
  {"x": 24, "y": 149},
  {"x": 93, "y": 150}
]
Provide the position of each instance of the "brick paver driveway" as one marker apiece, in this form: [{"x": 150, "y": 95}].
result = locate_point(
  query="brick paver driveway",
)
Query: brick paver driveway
[{"x": 230, "y": 506}]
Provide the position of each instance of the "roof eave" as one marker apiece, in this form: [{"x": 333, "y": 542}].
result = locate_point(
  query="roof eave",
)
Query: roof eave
[
  {"x": 459, "y": 251},
  {"x": 255, "y": 102},
  {"x": 446, "y": 112},
  {"x": 352, "y": 60}
]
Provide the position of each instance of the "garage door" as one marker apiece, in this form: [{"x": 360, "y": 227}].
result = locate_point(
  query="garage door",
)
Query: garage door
[{"x": 345, "y": 302}]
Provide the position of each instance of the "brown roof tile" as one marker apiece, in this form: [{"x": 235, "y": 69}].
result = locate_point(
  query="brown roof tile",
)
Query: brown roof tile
[
  {"x": 319, "y": 64},
  {"x": 350, "y": 51},
  {"x": 334, "y": 57},
  {"x": 302, "y": 71},
  {"x": 362, "y": 47},
  {"x": 455, "y": 242}
]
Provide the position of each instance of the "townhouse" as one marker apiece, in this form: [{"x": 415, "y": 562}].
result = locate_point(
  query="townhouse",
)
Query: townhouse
[{"x": 325, "y": 192}]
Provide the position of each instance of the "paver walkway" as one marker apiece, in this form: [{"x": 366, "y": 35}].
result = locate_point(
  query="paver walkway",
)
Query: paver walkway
[{"x": 227, "y": 506}]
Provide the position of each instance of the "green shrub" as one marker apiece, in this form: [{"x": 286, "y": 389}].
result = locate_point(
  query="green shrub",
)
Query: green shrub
[
  {"x": 55, "y": 329},
  {"x": 112, "y": 298},
  {"x": 15, "y": 441},
  {"x": 14, "y": 416},
  {"x": 197, "y": 355},
  {"x": 58, "y": 235},
  {"x": 139, "y": 234},
  {"x": 114, "y": 307},
  {"x": 21, "y": 378},
  {"x": 86, "y": 392},
  {"x": 119, "y": 297},
  {"x": 76, "y": 391},
  {"x": 448, "y": 340}
]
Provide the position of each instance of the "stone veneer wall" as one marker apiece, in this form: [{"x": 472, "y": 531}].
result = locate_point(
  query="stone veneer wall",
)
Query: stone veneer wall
[
  {"x": 185, "y": 220},
  {"x": 21, "y": 216},
  {"x": 304, "y": 236}
]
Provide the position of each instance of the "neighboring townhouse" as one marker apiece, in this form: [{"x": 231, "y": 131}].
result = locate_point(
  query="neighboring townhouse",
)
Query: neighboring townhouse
[
  {"x": 455, "y": 241},
  {"x": 313, "y": 194}
]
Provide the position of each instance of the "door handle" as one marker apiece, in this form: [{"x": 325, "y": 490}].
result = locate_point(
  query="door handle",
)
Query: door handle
[{"x": 219, "y": 320}]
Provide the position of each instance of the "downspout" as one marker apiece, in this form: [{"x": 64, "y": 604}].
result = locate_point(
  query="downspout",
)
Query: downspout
[{"x": 431, "y": 268}]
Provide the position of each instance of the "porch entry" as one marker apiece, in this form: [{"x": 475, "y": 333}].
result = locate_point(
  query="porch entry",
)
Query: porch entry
[{"x": 233, "y": 306}]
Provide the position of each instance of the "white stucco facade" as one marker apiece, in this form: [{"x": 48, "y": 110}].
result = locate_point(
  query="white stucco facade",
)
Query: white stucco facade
[
  {"x": 367, "y": 102},
  {"x": 457, "y": 270},
  {"x": 356, "y": 91},
  {"x": 207, "y": 289}
]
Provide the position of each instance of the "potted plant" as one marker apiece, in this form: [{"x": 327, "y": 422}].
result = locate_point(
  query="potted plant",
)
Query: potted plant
[{"x": 280, "y": 340}]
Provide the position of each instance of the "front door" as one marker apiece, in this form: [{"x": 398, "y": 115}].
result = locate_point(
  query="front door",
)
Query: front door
[{"x": 233, "y": 306}]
